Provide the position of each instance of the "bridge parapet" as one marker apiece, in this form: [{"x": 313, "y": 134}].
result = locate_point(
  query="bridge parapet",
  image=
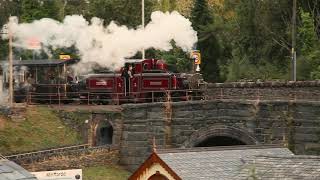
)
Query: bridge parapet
[{"x": 273, "y": 90}]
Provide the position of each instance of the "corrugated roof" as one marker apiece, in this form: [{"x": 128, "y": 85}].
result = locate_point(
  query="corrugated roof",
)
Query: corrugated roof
[
  {"x": 225, "y": 163},
  {"x": 12, "y": 171}
]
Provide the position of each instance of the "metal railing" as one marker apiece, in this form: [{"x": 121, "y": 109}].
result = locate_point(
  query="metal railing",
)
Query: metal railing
[
  {"x": 169, "y": 95},
  {"x": 113, "y": 98}
]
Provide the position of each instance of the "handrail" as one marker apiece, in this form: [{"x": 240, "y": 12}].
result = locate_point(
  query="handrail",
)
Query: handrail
[{"x": 87, "y": 97}]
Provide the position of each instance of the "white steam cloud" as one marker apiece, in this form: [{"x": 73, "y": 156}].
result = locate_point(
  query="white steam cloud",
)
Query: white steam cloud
[{"x": 108, "y": 46}]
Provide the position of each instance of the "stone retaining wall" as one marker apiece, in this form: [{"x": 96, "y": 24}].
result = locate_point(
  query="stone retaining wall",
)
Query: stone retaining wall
[{"x": 72, "y": 160}]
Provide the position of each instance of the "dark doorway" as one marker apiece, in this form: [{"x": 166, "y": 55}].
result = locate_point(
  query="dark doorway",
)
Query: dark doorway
[
  {"x": 220, "y": 141},
  {"x": 105, "y": 134},
  {"x": 158, "y": 176}
]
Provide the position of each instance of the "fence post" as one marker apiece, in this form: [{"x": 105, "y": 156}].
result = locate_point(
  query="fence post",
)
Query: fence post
[
  {"x": 152, "y": 96},
  {"x": 118, "y": 100},
  {"x": 88, "y": 98},
  {"x": 59, "y": 96}
]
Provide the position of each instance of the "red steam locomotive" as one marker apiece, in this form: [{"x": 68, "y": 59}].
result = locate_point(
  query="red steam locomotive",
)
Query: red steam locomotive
[
  {"x": 146, "y": 80},
  {"x": 139, "y": 81}
]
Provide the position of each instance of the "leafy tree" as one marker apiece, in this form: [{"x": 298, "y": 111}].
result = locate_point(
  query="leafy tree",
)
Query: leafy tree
[
  {"x": 7, "y": 8},
  {"x": 32, "y": 10},
  {"x": 167, "y": 5},
  {"x": 308, "y": 66},
  {"x": 203, "y": 23},
  {"x": 262, "y": 37},
  {"x": 313, "y": 7},
  {"x": 124, "y": 12}
]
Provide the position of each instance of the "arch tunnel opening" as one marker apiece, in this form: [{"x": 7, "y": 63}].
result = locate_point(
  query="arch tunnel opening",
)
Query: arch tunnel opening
[
  {"x": 105, "y": 134},
  {"x": 220, "y": 141}
]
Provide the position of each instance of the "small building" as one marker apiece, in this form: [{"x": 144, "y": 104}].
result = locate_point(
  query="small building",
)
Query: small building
[
  {"x": 237, "y": 162},
  {"x": 12, "y": 171}
]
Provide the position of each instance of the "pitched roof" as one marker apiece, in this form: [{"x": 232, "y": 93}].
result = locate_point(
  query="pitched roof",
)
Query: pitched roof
[
  {"x": 282, "y": 167},
  {"x": 215, "y": 163},
  {"x": 11, "y": 171},
  {"x": 152, "y": 159}
]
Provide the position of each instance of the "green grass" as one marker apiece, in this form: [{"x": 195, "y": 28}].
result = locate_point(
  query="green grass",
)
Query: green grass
[
  {"x": 105, "y": 173},
  {"x": 42, "y": 129}
]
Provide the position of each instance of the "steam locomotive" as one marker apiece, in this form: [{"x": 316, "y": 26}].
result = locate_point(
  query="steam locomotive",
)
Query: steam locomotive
[{"x": 146, "y": 80}]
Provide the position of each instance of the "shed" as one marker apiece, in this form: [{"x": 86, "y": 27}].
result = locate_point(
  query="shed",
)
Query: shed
[{"x": 236, "y": 162}]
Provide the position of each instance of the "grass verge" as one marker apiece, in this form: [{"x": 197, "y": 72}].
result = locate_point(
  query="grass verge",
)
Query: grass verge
[
  {"x": 42, "y": 129},
  {"x": 105, "y": 173}
]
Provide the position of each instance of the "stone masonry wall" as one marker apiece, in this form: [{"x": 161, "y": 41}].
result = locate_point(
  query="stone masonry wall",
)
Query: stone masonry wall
[
  {"x": 74, "y": 160},
  {"x": 295, "y": 124},
  {"x": 309, "y": 90}
]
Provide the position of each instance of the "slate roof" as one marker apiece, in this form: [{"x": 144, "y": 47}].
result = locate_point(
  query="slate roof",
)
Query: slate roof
[
  {"x": 11, "y": 171},
  {"x": 282, "y": 167},
  {"x": 216, "y": 163}
]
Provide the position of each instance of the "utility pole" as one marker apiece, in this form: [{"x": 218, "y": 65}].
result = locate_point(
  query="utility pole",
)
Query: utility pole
[
  {"x": 293, "y": 49},
  {"x": 142, "y": 19},
  {"x": 10, "y": 65}
]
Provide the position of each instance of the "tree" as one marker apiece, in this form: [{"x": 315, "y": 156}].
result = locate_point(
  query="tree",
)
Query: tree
[
  {"x": 313, "y": 7},
  {"x": 124, "y": 12},
  {"x": 167, "y": 5},
  {"x": 31, "y": 10},
  {"x": 7, "y": 8},
  {"x": 203, "y": 22},
  {"x": 308, "y": 45},
  {"x": 261, "y": 40}
]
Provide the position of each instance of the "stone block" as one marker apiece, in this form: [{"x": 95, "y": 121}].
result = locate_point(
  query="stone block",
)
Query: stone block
[
  {"x": 137, "y": 136},
  {"x": 302, "y": 138},
  {"x": 182, "y": 114},
  {"x": 156, "y": 114}
]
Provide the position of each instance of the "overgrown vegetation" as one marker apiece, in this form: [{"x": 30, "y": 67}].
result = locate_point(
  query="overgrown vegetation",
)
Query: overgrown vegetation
[
  {"x": 42, "y": 129},
  {"x": 239, "y": 39},
  {"x": 105, "y": 173}
]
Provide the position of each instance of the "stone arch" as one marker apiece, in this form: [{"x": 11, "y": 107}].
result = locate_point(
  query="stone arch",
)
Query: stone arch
[
  {"x": 220, "y": 131},
  {"x": 104, "y": 133}
]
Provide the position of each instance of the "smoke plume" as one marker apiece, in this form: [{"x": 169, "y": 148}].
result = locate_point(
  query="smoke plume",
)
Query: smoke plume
[{"x": 106, "y": 45}]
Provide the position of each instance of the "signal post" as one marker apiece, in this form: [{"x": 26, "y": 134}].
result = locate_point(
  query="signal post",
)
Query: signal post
[{"x": 196, "y": 57}]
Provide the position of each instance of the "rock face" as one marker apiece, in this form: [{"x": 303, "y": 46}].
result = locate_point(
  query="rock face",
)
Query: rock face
[{"x": 295, "y": 124}]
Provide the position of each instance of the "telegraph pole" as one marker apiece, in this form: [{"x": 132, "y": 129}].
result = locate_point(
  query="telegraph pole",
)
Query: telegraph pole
[
  {"x": 142, "y": 19},
  {"x": 293, "y": 49},
  {"x": 10, "y": 65}
]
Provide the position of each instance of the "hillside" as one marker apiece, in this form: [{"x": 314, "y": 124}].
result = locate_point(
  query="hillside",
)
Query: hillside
[{"x": 42, "y": 129}]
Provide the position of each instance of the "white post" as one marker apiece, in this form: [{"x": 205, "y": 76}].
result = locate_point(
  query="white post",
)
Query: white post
[
  {"x": 142, "y": 19},
  {"x": 10, "y": 66}
]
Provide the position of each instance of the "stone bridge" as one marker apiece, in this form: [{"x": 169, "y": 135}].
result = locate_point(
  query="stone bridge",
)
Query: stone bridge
[
  {"x": 252, "y": 113},
  {"x": 295, "y": 124}
]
